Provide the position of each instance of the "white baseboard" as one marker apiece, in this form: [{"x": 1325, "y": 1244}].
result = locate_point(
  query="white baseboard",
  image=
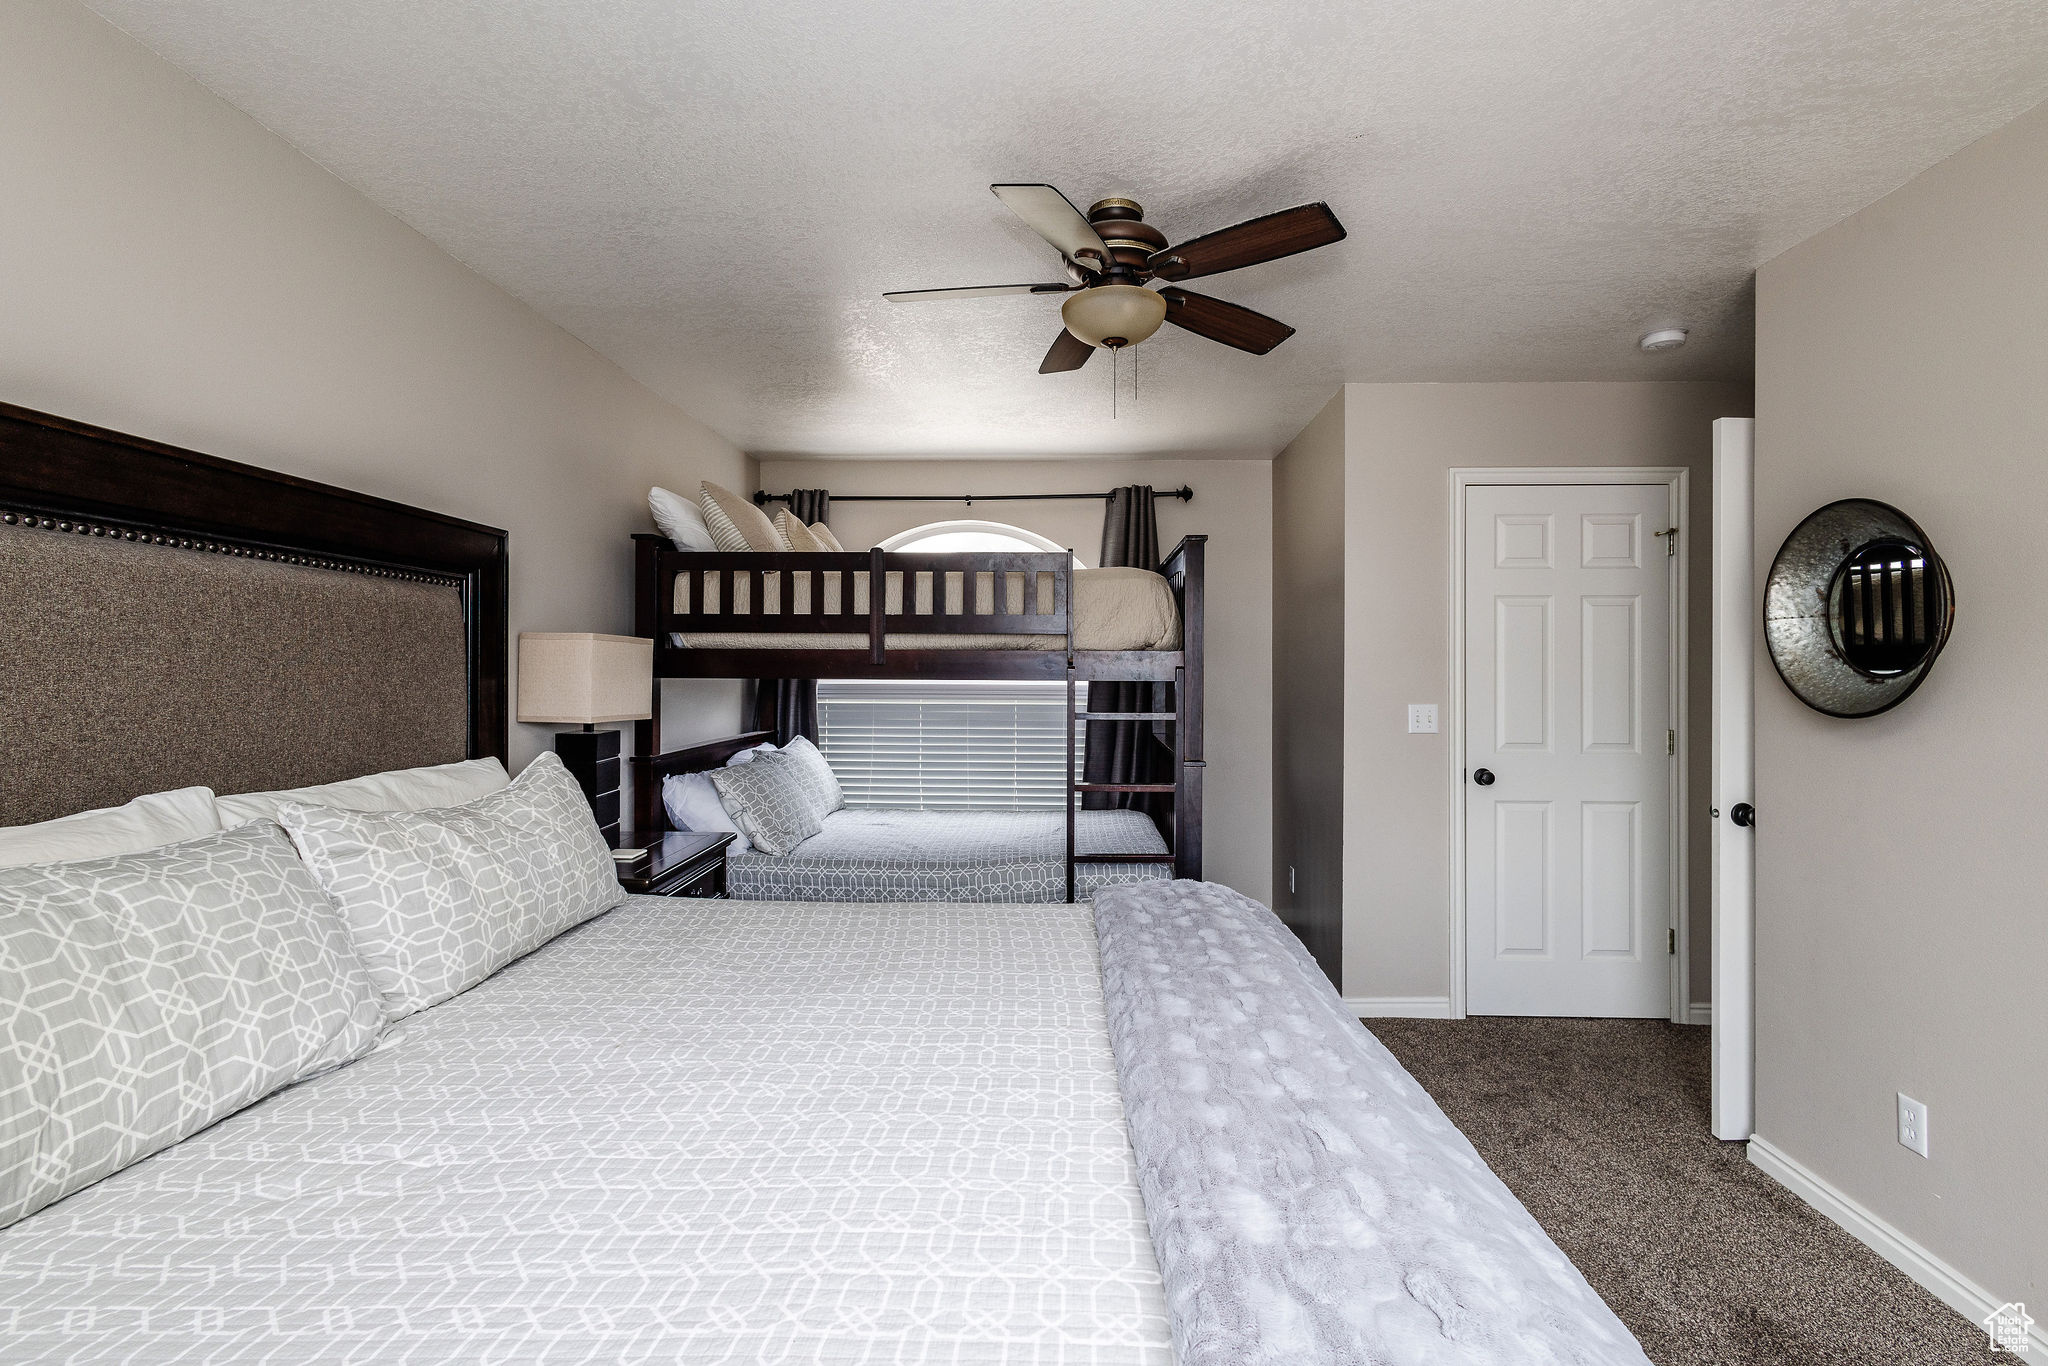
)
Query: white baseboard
[
  {"x": 1700, "y": 1013},
  {"x": 1399, "y": 1007},
  {"x": 1947, "y": 1284}
]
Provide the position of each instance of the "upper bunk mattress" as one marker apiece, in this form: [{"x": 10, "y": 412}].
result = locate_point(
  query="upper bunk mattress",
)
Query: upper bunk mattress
[
  {"x": 888, "y": 855},
  {"x": 880, "y": 1134},
  {"x": 1112, "y": 609}
]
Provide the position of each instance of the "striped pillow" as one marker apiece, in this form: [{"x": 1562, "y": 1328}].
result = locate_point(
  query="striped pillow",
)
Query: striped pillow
[
  {"x": 793, "y": 530},
  {"x": 737, "y": 524}
]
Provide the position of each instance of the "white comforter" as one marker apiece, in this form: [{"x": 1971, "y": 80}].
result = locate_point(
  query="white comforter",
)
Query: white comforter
[
  {"x": 1308, "y": 1201},
  {"x": 686, "y": 1132}
]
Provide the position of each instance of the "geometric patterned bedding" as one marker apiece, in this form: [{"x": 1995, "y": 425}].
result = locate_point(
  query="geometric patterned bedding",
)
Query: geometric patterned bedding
[
  {"x": 959, "y": 856},
  {"x": 686, "y": 1131}
]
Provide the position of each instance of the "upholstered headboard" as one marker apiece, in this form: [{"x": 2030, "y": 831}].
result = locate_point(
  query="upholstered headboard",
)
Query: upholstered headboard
[{"x": 172, "y": 619}]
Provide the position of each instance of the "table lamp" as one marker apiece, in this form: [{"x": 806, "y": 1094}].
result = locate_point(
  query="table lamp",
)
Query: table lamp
[{"x": 579, "y": 678}]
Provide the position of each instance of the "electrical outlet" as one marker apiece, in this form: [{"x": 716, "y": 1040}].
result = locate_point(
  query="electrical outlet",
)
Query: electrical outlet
[
  {"x": 1422, "y": 718},
  {"x": 1912, "y": 1124}
]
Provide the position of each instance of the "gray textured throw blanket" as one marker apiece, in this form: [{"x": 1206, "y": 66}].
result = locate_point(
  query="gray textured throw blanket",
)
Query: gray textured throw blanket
[{"x": 1307, "y": 1199}]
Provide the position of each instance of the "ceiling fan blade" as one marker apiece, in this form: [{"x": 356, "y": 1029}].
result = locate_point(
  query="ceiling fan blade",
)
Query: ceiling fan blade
[
  {"x": 1247, "y": 244},
  {"x": 1068, "y": 352},
  {"x": 909, "y": 296},
  {"x": 1227, "y": 323},
  {"x": 1053, "y": 216}
]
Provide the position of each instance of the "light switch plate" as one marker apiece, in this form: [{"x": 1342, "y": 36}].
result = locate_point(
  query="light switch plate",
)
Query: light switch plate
[
  {"x": 1422, "y": 718},
  {"x": 1912, "y": 1124}
]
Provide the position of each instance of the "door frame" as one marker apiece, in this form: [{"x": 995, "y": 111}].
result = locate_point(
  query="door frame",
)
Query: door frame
[{"x": 1677, "y": 480}]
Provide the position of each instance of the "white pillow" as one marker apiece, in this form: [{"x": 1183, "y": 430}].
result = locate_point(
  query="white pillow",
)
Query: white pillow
[
  {"x": 679, "y": 519},
  {"x": 436, "y": 901},
  {"x": 404, "y": 789},
  {"x": 747, "y": 756},
  {"x": 146, "y": 823},
  {"x": 151, "y": 994}
]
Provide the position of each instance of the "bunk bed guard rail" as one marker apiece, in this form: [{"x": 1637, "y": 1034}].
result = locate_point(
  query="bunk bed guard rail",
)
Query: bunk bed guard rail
[{"x": 709, "y": 603}]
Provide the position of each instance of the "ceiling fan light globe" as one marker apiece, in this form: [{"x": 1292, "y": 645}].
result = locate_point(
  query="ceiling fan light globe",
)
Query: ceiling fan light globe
[{"x": 1121, "y": 314}]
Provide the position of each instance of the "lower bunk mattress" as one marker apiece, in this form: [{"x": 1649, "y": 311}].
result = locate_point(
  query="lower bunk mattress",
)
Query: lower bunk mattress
[{"x": 891, "y": 855}]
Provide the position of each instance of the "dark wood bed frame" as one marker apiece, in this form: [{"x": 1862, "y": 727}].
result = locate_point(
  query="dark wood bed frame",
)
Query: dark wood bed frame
[
  {"x": 674, "y": 591},
  {"x": 74, "y": 478}
]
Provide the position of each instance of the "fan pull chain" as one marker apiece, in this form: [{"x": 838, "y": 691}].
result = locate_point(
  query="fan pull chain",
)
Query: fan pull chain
[{"x": 1114, "y": 352}]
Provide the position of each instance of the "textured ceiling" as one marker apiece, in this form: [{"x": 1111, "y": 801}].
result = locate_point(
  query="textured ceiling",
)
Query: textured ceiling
[{"x": 715, "y": 196}]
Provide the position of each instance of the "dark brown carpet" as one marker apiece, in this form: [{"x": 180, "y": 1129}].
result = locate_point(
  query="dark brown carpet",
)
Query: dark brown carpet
[{"x": 1600, "y": 1127}]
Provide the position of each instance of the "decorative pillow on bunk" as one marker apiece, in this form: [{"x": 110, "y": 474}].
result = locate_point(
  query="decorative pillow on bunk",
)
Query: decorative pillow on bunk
[
  {"x": 737, "y": 524},
  {"x": 404, "y": 789},
  {"x": 151, "y": 994},
  {"x": 436, "y": 901},
  {"x": 793, "y": 530},
  {"x": 822, "y": 534},
  {"x": 819, "y": 780},
  {"x": 693, "y": 804},
  {"x": 146, "y": 823},
  {"x": 774, "y": 800},
  {"x": 679, "y": 519}
]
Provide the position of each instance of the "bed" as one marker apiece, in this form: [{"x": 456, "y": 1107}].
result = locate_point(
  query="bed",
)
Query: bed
[
  {"x": 978, "y": 615},
  {"x": 1140, "y": 1132},
  {"x": 893, "y": 855},
  {"x": 680, "y": 1132},
  {"x": 1143, "y": 1130}
]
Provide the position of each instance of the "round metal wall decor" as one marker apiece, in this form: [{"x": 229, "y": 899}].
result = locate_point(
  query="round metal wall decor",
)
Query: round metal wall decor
[{"x": 1856, "y": 608}]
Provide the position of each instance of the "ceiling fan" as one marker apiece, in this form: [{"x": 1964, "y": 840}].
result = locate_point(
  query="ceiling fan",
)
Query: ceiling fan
[{"x": 1112, "y": 252}]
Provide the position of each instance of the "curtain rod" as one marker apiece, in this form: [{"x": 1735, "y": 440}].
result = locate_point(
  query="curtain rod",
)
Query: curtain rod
[{"x": 1184, "y": 493}]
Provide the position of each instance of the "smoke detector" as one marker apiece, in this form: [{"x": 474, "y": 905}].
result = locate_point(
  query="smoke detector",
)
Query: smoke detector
[{"x": 1663, "y": 339}]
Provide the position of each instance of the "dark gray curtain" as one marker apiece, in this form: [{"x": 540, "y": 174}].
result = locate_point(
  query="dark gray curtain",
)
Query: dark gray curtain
[
  {"x": 1129, "y": 751},
  {"x": 789, "y": 706}
]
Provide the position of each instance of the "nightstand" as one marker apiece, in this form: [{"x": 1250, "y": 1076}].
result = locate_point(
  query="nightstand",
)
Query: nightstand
[{"x": 676, "y": 864}]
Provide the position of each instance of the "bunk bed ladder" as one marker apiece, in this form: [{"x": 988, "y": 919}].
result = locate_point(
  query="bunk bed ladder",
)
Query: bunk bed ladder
[{"x": 1075, "y": 788}]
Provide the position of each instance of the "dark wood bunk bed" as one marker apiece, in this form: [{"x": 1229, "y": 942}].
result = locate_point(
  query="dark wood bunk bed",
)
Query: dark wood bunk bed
[{"x": 939, "y": 616}]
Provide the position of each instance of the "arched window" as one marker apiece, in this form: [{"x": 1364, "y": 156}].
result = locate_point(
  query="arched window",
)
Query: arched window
[
  {"x": 944, "y": 537},
  {"x": 934, "y": 743}
]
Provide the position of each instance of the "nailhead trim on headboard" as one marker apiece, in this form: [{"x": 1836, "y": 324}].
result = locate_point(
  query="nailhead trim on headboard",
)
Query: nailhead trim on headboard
[{"x": 141, "y": 536}]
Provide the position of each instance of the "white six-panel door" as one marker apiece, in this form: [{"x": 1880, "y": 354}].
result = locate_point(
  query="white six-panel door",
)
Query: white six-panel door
[{"x": 1568, "y": 730}]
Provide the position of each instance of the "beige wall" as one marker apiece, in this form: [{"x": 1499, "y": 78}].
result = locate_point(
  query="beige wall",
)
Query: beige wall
[
  {"x": 1402, "y": 441},
  {"x": 170, "y": 268},
  {"x": 1232, "y": 505},
  {"x": 1902, "y": 922},
  {"x": 1308, "y": 684}
]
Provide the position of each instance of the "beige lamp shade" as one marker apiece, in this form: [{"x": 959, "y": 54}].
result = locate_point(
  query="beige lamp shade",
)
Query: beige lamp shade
[{"x": 576, "y": 678}]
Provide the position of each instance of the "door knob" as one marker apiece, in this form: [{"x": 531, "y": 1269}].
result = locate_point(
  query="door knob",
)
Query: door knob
[
  {"x": 1743, "y": 814},
  {"x": 1484, "y": 777}
]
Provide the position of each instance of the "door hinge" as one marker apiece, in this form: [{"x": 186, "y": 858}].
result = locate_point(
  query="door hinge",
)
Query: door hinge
[
  {"x": 1670, "y": 535},
  {"x": 1671, "y": 742},
  {"x": 1674, "y": 940}
]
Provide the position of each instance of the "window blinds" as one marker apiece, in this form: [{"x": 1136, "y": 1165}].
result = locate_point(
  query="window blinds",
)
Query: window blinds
[{"x": 931, "y": 745}]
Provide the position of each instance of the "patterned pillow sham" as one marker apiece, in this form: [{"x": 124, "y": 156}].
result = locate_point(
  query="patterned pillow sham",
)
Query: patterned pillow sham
[
  {"x": 436, "y": 901},
  {"x": 774, "y": 800},
  {"x": 819, "y": 780},
  {"x": 148, "y": 995}
]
